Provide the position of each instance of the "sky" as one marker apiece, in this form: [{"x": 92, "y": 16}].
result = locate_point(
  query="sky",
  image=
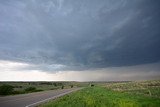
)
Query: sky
[{"x": 79, "y": 40}]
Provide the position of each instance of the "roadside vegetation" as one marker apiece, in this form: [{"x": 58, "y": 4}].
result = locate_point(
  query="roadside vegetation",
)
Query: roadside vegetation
[
  {"x": 6, "y": 89},
  {"x": 117, "y": 94},
  {"x": 12, "y": 88},
  {"x": 9, "y": 90}
]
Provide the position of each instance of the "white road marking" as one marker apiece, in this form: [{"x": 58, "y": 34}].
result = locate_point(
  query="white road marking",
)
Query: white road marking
[{"x": 51, "y": 98}]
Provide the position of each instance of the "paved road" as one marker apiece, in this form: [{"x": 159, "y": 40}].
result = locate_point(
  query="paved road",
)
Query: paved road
[{"x": 33, "y": 99}]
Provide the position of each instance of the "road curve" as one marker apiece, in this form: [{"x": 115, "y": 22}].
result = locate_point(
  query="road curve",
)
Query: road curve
[{"x": 33, "y": 99}]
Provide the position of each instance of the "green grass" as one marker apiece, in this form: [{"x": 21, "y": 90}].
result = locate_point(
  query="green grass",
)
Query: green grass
[{"x": 102, "y": 97}]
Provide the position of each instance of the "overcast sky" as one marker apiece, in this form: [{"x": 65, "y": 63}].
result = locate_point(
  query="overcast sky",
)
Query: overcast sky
[{"x": 79, "y": 40}]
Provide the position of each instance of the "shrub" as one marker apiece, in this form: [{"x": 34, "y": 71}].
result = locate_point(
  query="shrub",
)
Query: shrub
[
  {"x": 6, "y": 89},
  {"x": 18, "y": 92},
  {"x": 55, "y": 84},
  {"x": 37, "y": 90},
  {"x": 30, "y": 89},
  {"x": 62, "y": 87},
  {"x": 92, "y": 85}
]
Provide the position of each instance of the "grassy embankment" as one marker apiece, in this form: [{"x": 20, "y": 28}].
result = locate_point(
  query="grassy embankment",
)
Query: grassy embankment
[{"x": 144, "y": 94}]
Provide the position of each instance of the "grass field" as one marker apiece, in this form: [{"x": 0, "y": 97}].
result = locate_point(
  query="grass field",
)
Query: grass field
[
  {"x": 123, "y": 94},
  {"x": 145, "y": 88}
]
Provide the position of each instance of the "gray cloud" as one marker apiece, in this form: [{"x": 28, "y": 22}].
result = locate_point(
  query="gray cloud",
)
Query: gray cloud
[{"x": 79, "y": 35}]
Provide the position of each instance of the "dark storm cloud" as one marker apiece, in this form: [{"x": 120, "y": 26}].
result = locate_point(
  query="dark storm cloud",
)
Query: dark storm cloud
[{"x": 80, "y": 34}]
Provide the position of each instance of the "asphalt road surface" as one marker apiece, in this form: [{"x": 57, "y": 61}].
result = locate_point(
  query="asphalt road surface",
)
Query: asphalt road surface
[{"x": 33, "y": 99}]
